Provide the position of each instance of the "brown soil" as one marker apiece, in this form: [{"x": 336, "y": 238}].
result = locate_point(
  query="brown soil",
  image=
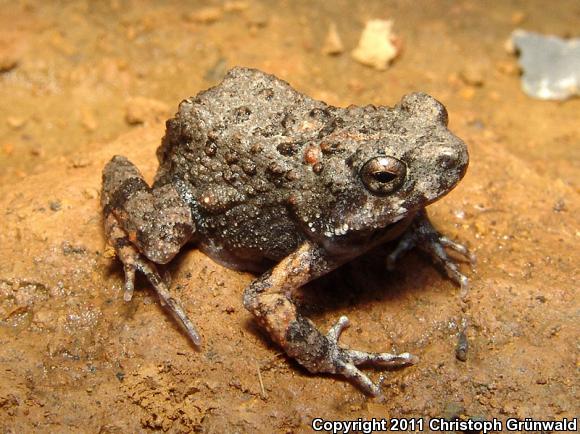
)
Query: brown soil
[{"x": 82, "y": 81}]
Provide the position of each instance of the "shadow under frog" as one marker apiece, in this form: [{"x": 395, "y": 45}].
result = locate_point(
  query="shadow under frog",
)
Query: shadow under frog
[{"x": 265, "y": 179}]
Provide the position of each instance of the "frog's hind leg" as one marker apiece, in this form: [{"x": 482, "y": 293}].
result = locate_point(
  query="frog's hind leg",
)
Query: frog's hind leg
[
  {"x": 145, "y": 226},
  {"x": 268, "y": 298}
]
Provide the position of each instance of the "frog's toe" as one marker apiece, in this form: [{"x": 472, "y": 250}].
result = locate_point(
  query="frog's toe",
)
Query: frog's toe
[
  {"x": 351, "y": 372},
  {"x": 132, "y": 261},
  {"x": 336, "y": 330},
  {"x": 150, "y": 271},
  {"x": 129, "y": 281},
  {"x": 355, "y": 358},
  {"x": 382, "y": 360},
  {"x": 406, "y": 242},
  {"x": 435, "y": 247},
  {"x": 346, "y": 360},
  {"x": 459, "y": 248}
]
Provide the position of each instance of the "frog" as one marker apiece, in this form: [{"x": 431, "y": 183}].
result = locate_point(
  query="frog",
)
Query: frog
[{"x": 264, "y": 179}]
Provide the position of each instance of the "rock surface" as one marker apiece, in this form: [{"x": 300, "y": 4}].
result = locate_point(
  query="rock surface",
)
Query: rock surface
[
  {"x": 75, "y": 358},
  {"x": 71, "y": 346}
]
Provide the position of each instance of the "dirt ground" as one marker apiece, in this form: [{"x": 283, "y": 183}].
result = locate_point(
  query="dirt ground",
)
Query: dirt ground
[{"x": 81, "y": 81}]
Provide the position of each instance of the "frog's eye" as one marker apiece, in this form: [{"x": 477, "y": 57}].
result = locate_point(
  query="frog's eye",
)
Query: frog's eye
[{"x": 383, "y": 175}]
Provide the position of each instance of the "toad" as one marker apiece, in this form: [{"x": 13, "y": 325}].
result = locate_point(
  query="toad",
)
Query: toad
[{"x": 263, "y": 178}]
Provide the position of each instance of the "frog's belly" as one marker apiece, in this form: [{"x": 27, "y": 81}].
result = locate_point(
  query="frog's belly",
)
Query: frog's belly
[
  {"x": 249, "y": 258},
  {"x": 249, "y": 243}
]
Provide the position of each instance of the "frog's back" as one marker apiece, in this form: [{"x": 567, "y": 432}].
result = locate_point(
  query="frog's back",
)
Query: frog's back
[
  {"x": 247, "y": 99},
  {"x": 237, "y": 149},
  {"x": 251, "y": 117}
]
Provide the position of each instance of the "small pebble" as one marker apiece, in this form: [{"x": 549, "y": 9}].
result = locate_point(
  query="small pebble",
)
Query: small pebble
[
  {"x": 80, "y": 162},
  {"x": 217, "y": 71},
  {"x": 472, "y": 76},
  {"x": 459, "y": 213},
  {"x": 55, "y": 205},
  {"x": 559, "y": 206},
  {"x": 90, "y": 193},
  {"x": 139, "y": 110},
  {"x": 88, "y": 120},
  {"x": 518, "y": 18},
  {"x": 8, "y": 148},
  {"x": 508, "y": 68},
  {"x": 462, "y": 347},
  {"x": 235, "y": 6},
  {"x": 7, "y": 62},
  {"x": 206, "y": 15},
  {"x": 332, "y": 43},
  {"x": 15, "y": 122},
  {"x": 257, "y": 19}
]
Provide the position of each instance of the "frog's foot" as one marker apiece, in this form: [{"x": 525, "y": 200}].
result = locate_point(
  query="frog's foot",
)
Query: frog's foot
[
  {"x": 345, "y": 361},
  {"x": 423, "y": 235},
  {"x": 133, "y": 260}
]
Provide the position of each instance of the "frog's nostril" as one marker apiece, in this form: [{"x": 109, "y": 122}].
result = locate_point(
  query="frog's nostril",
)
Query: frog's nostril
[{"x": 447, "y": 161}]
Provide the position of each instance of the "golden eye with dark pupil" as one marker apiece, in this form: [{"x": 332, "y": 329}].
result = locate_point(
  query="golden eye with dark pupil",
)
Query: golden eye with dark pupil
[{"x": 383, "y": 175}]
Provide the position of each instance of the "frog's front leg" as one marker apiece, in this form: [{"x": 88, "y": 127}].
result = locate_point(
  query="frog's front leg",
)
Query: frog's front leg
[
  {"x": 145, "y": 226},
  {"x": 268, "y": 298},
  {"x": 423, "y": 235}
]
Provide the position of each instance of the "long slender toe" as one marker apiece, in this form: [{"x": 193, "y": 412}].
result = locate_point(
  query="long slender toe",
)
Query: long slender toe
[
  {"x": 406, "y": 243},
  {"x": 382, "y": 359},
  {"x": 351, "y": 372},
  {"x": 167, "y": 300},
  {"x": 459, "y": 248},
  {"x": 335, "y": 331},
  {"x": 129, "y": 282}
]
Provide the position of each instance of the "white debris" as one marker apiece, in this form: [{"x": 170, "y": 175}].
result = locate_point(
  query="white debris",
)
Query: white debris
[
  {"x": 378, "y": 46},
  {"x": 551, "y": 65}
]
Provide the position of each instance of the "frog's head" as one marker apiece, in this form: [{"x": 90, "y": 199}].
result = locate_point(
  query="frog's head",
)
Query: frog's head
[
  {"x": 413, "y": 162},
  {"x": 396, "y": 162}
]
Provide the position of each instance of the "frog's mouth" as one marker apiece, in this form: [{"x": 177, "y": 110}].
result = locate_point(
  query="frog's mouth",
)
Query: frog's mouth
[
  {"x": 392, "y": 230},
  {"x": 355, "y": 242}
]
